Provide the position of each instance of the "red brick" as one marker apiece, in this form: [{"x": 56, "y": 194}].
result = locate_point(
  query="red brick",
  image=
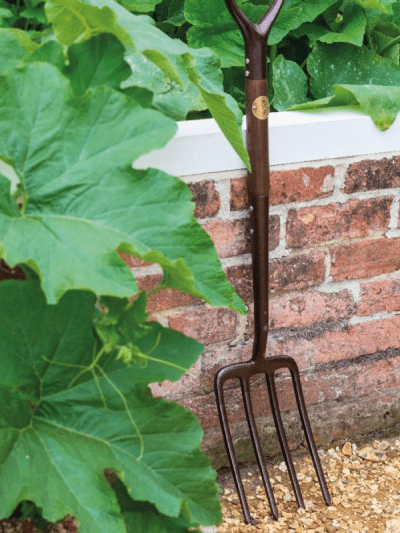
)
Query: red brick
[
  {"x": 231, "y": 237},
  {"x": 365, "y": 259},
  {"x": 241, "y": 277},
  {"x": 299, "y": 349},
  {"x": 297, "y": 272},
  {"x": 204, "y": 407},
  {"x": 239, "y": 197},
  {"x": 302, "y": 184},
  {"x": 206, "y": 325},
  {"x": 379, "y": 296},
  {"x": 288, "y": 186},
  {"x": 326, "y": 386},
  {"x": 360, "y": 339},
  {"x": 371, "y": 175},
  {"x": 377, "y": 376},
  {"x": 163, "y": 298},
  {"x": 206, "y": 197},
  {"x": 310, "y": 307},
  {"x": 216, "y": 359},
  {"x": 355, "y": 218}
]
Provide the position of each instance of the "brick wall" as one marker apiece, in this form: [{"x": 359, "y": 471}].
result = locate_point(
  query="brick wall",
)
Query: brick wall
[{"x": 334, "y": 307}]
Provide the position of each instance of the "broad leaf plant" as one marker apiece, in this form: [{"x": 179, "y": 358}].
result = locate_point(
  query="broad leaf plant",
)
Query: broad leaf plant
[{"x": 86, "y": 88}]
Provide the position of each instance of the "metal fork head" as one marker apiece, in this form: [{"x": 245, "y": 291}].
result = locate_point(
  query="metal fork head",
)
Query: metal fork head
[{"x": 243, "y": 372}]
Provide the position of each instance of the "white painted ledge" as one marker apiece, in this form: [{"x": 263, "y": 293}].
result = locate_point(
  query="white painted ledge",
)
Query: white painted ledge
[{"x": 295, "y": 137}]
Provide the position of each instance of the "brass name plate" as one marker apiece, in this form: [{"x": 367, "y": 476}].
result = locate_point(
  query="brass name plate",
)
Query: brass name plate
[{"x": 260, "y": 107}]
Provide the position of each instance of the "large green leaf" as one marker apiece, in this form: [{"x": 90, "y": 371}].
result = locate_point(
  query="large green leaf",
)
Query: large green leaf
[
  {"x": 342, "y": 63},
  {"x": 382, "y": 103},
  {"x": 83, "y": 199},
  {"x": 310, "y": 9},
  {"x": 98, "y": 61},
  {"x": 143, "y": 6},
  {"x": 351, "y": 28},
  {"x": 15, "y": 46},
  {"x": 147, "y": 47},
  {"x": 67, "y": 413},
  {"x": 290, "y": 84}
]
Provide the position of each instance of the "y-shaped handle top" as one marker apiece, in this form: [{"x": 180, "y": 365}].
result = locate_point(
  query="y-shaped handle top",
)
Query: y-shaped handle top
[{"x": 255, "y": 36}]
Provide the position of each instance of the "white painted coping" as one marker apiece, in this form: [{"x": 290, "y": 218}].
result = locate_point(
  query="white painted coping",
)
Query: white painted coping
[{"x": 295, "y": 137}]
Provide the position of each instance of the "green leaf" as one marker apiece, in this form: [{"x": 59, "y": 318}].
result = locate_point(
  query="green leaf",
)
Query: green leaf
[
  {"x": 7, "y": 204},
  {"x": 98, "y": 61},
  {"x": 70, "y": 209},
  {"x": 310, "y": 9},
  {"x": 387, "y": 46},
  {"x": 161, "y": 353},
  {"x": 5, "y": 14},
  {"x": 15, "y": 46},
  {"x": 49, "y": 52},
  {"x": 142, "y": 6},
  {"x": 290, "y": 84},
  {"x": 381, "y": 103},
  {"x": 58, "y": 435},
  {"x": 352, "y": 27},
  {"x": 145, "y": 519},
  {"x": 36, "y": 13},
  {"x": 340, "y": 63},
  {"x": 147, "y": 47}
]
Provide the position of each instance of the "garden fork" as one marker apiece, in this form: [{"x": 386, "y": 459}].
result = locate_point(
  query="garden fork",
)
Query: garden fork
[{"x": 257, "y": 110}]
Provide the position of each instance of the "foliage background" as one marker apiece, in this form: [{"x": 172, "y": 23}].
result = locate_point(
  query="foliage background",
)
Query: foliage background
[{"x": 87, "y": 87}]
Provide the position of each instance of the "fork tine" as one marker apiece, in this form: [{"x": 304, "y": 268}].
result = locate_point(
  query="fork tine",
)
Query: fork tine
[
  {"x": 257, "y": 446},
  {"x": 282, "y": 439},
  {"x": 308, "y": 433},
  {"x": 219, "y": 394}
]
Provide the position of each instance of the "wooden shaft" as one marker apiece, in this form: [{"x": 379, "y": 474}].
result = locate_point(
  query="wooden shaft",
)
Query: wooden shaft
[{"x": 257, "y": 110}]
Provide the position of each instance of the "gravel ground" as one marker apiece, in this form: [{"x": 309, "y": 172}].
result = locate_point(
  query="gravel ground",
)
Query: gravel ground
[{"x": 364, "y": 483}]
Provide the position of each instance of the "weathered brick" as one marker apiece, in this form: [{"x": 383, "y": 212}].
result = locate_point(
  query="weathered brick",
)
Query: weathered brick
[
  {"x": 231, "y": 237},
  {"x": 299, "y": 349},
  {"x": 355, "y": 218},
  {"x": 213, "y": 360},
  {"x": 308, "y": 308},
  {"x": 359, "y": 339},
  {"x": 297, "y": 272},
  {"x": 379, "y": 296},
  {"x": 207, "y": 325},
  {"x": 241, "y": 277},
  {"x": 288, "y": 186},
  {"x": 206, "y": 197},
  {"x": 377, "y": 376},
  {"x": 302, "y": 184},
  {"x": 326, "y": 386},
  {"x": 370, "y": 175},
  {"x": 274, "y": 229},
  {"x": 239, "y": 197},
  {"x": 365, "y": 259}
]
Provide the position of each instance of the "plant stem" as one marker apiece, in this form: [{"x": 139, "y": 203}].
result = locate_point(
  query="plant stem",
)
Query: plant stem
[{"x": 389, "y": 45}]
